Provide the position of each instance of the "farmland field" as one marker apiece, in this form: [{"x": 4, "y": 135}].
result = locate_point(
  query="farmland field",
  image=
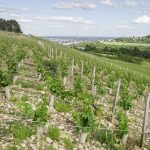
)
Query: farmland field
[{"x": 55, "y": 97}]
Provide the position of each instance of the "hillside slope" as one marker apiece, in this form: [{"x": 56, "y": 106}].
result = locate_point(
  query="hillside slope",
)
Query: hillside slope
[{"x": 54, "y": 97}]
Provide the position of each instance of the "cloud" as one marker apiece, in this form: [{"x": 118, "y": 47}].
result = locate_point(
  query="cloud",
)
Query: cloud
[
  {"x": 117, "y": 27},
  {"x": 8, "y": 9},
  {"x": 129, "y": 3},
  {"x": 24, "y": 9},
  {"x": 77, "y": 4},
  {"x": 24, "y": 20},
  {"x": 123, "y": 4},
  {"x": 67, "y": 19},
  {"x": 142, "y": 20},
  {"x": 123, "y": 27},
  {"x": 107, "y": 2}
]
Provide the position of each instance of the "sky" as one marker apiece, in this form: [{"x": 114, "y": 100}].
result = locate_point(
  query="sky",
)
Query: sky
[{"x": 79, "y": 17}]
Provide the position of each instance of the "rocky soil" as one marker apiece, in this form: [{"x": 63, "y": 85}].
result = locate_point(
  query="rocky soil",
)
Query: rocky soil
[{"x": 9, "y": 112}]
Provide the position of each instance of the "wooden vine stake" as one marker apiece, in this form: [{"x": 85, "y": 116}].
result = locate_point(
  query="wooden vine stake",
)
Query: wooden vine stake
[
  {"x": 93, "y": 81},
  {"x": 94, "y": 90},
  {"x": 110, "y": 91},
  {"x": 61, "y": 54},
  {"x": 145, "y": 121},
  {"x": 48, "y": 50},
  {"x": 52, "y": 52},
  {"x": 56, "y": 53},
  {"x": 72, "y": 67},
  {"x": 40, "y": 76},
  {"x": 51, "y": 104},
  {"x": 15, "y": 79},
  {"x": 116, "y": 98},
  {"x": 83, "y": 138},
  {"x": 39, "y": 135},
  {"x": 7, "y": 92},
  {"x": 82, "y": 66},
  {"x": 64, "y": 81}
]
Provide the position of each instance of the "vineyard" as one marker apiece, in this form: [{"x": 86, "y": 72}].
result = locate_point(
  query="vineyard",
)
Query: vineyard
[{"x": 58, "y": 98}]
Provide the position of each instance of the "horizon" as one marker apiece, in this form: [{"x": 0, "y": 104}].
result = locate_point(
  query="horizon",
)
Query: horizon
[{"x": 82, "y": 18}]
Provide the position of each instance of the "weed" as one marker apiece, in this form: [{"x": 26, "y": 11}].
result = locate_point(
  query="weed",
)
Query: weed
[
  {"x": 20, "y": 132},
  {"x": 68, "y": 144},
  {"x": 105, "y": 136},
  {"x": 53, "y": 133},
  {"x": 122, "y": 124},
  {"x": 24, "y": 98},
  {"x": 11, "y": 148},
  {"x": 41, "y": 113},
  {"x": 26, "y": 108},
  {"x": 13, "y": 99},
  {"x": 62, "y": 107}
]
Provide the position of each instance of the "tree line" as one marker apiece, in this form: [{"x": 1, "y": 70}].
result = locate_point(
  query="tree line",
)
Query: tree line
[
  {"x": 132, "y": 54},
  {"x": 144, "y": 39},
  {"x": 10, "y": 26}
]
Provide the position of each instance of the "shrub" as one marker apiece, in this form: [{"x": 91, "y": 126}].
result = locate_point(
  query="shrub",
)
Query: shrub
[
  {"x": 13, "y": 99},
  {"x": 122, "y": 125},
  {"x": 84, "y": 120},
  {"x": 20, "y": 132},
  {"x": 53, "y": 133},
  {"x": 26, "y": 108},
  {"x": 26, "y": 84},
  {"x": 126, "y": 99},
  {"x": 24, "y": 98},
  {"x": 39, "y": 87},
  {"x": 68, "y": 144},
  {"x": 31, "y": 84},
  {"x": 105, "y": 136},
  {"x": 99, "y": 112},
  {"x": 11, "y": 148},
  {"x": 41, "y": 113},
  {"x": 62, "y": 107}
]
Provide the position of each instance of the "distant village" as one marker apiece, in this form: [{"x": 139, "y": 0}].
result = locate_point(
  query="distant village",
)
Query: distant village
[{"x": 77, "y": 40}]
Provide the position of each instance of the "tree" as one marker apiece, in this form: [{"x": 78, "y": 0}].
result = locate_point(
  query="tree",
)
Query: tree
[{"x": 10, "y": 26}]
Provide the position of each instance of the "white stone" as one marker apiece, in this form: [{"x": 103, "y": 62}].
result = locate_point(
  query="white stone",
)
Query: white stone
[
  {"x": 49, "y": 140},
  {"x": 61, "y": 127},
  {"x": 33, "y": 147},
  {"x": 55, "y": 146}
]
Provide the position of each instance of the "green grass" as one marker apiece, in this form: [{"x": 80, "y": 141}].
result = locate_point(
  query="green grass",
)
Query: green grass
[
  {"x": 127, "y": 44},
  {"x": 20, "y": 132},
  {"x": 53, "y": 133},
  {"x": 143, "y": 68},
  {"x": 62, "y": 107},
  {"x": 68, "y": 144}
]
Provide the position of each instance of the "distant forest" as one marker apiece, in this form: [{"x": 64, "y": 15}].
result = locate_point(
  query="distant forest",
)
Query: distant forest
[{"x": 10, "y": 26}]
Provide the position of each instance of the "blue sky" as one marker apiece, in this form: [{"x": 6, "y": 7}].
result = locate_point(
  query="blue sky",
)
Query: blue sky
[{"x": 79, "y": 17}]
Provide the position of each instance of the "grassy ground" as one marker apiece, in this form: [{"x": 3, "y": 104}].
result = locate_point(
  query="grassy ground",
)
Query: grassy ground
[
  {"x": 127, "y": 44},
  {"x": 143, "y": 68}
]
